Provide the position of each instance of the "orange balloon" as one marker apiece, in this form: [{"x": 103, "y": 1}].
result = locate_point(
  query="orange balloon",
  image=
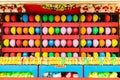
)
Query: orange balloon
[
  {"x": 25, "y": 43},
  {"x": 89, "y": 55},
  {"x": 19, "y": 54},
  {"x": 102, "y": 43},
  {"x": 57, "y": 54},
  {"x": 57, "y": 18},
  {"x": 19, "y": 30},
  {"x": 25, "y": 30},
  {"x": 114, "y": 30},
  {"x": 7, "y": 18},
  {"x": 83, "y": 54},
  {"x": 83, "y": 30},
  {"x": 37, "y": 43}
]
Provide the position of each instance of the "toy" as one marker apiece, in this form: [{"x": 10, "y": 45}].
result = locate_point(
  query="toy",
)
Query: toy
[
  {"x": 45, "y": 30},
  {"x": 63, "y": 18},
  {"x": 57, "y": 43},
  {"x": 45, "y": 43}
]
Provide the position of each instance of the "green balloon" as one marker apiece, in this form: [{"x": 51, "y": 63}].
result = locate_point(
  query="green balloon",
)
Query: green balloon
[
  {"x": 95, "y": 30},
  {"x": 51, "y": 18},
  {"x": 75, "y": 18},
  {"x": 114, "y": 55},
  {"x": 57, "y": 30},
  {"x": 44, "y": 18},
  {"x": 51, "y": 54},
  {"x": 69, "y": 54}
]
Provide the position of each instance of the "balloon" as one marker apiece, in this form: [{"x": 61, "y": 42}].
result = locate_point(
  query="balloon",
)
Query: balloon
[
  {"x": 114, "y": 43},
  {"x": 45, "y": 18},
  {"x": 69, "y": 30},
  {"x": 12, "y": 43},
  {"x": 51, "y": 18},
  {"x": 75, "y": 43},
  {"x": 102, "y": 54},
  {"x": 57, "y": 18},
  {"x": 69, "y": 43},
  {"x": 75, "y": 55},
  {"x": 63, "y": 43},
  {"x": 95, "y": 17},
  {"x": 13, "y": 30},
  {"x": 51, "y": 54},
  {"x": 25, "y": 54},
  {"x": 89, "y": 55},
  {"x": 57, "y": 55},
  {"x": 114, "y": 55},
  {"x": 31, "y": 42},
  {"x": 31, "y": 30},
  {"x": 25, "y": 18},
  {"x": 25, "y": 30},
  {"x": 95, "y": 43},
  {"x": 63, "y": 54},
  {"x": 45, "y": 43},
  {"x": 57, "y": 43},
  {"x": 37, "y": 18},
  {"x": 89, "y": 17},
  {"x": 83, "y": 42},
  {"x": 83, "y": 54},
  {"x": 25, "y": 43},
  {"x": 89, "y": 30},
  {"x": 89, "y": 43},
  {"x": 108, "y": 54},
  {"x": 82, "y": 18},
  {"x": 19, "y": 30},
  {"x": 19, "y": 43},
  {"x": 95, "y": 30},
  {"x": 6, "y": 54},
  {"x": 69, "y": 54},
  {"x": 101, "y": 30},
  {"x": 57, "y": 30},
  {"x": 12, "y": 54},
  {"x": 114, "y": 30},
  {"x": 107, "y": 30},
  {"x": 45, "y": 30},
  {"x": 13, "y": 18},
  {"x": 102, "y": 43},
  {"x": 95, "y": 54},
  {"x": 69, "y": 18},
  {"x": 51, "y": 30},
  {"x": 7, "y": 18},
  {"x": 107, "y": 18},
  {"x": 108, "y": 43},
  {"x": 37, "y": 54},
  {"x": 51, "y": 43},
  {"x": 6, "y": 30},
  {"x": 63, "y": 18},
  {"x": 6, "y": 42},
  {"x": 37, "y": 30},
  {"x": 19, "y": 54},
  {"x": 37, "y": 42},
  {"x": 75, "y": 18},
  {"x": 63, "y": 30},
  {"x": 31, "y": 18},
  {"x": 75, "y": 31},
  {"x": 83, "y": 30},
  {"x": 45, "y": 54}
]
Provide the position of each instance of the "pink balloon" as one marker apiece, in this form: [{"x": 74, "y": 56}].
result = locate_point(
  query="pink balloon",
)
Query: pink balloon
[
  {"x": 108, "y": 43},
  {"x": 6, "y": 30},
  {"x": 45, "y": 43},
  {"x": 31, "y": 43},
  {"x": 12, "y": 43},
  {"x": 63, "y": 30},
  {"x": 45, "y": 30},
  {"x": 107, "y": 30},
  {"x": 69, "y": 30},
  {"x": 75, "y": 43},
  {"x": 57, "y": 43},
  {"x": 63, "y": 54},
  {"x": 75, "y": 55},
  {"x": 89, "y": 30},
  {"x": 95, "y": 43},
  {"x": 63, "y": 43}
]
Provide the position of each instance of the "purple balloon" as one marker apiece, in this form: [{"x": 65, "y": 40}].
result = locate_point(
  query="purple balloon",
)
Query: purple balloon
[
  {"x": 75, "y": 43},
  {"x": 31, "y": 43},
  {"x": 89, "y": 30},
  {"x": 63, "y": 54},
  {"x": 107, "y": 30},
  {"x": 95, "y": 43},
  {"x": 75, "y": 55},
  {"x": 45, "y": 43},
  {"x": 63, "y": 43},
  {"x": 12, "y": 43},
  {"x": 108, "y": 43},
  {"x": 69, "y": 30},
  {"x": 63, "y": 30},
  {"x": 45, "y": 30},
  {"x": 57, "y": 43}
]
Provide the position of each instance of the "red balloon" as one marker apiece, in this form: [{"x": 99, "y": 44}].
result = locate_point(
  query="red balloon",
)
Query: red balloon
[
  {"x": 75, "y": 31},
  {"x": 31, "y": 18},
  {"x": 89, "y": 17},
  {"x": 6, "y": 55},
  {"x": 6, "y": 30},
  {"x": 19, "y": 43},
  {"x": 13, "y": 18},
  {"x": 12, "y": 54},
  {"x": 69, "y": 43},
  {"x": 107, "y": 18}
]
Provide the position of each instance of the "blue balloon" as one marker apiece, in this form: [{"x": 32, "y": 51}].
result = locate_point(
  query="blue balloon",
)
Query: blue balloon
[
  {"x": 25, "y": 54},
  {"x": 69, "y": 18},
  {"x": 102, "y": 54},
  {"x": 51, "y": 43},
  {"x": 25, "y": 18},
  {"x": 37, "y": 30},
  {"x": 89, "y": 43}
]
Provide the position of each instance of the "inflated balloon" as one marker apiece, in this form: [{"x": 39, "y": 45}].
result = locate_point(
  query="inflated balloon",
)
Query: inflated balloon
[
  {"x": 12, "y": 43},
  {"x": 6, "y": 42},
  {"x": 69, "y": 18},
  {"x": 63, "y": 30},
  {"x": 51, "y": 30},
  {"x": 31, "y": 42},
  {"x": 45, "y": 54},
  {"x": 101, "y": 30},
  {"x": 25, "y": 18},
  {"x": 19, "y": 30},
  {"x": 114, "y": 43},
  {"x": 51, "y": 18},
  {"x": 89, "y": 30},
  {"x": 83, "y": 42},
  {"x": 51, "y": 54},
  {"x": 95, "y": 30},
  {"x": 75, "y": 18},
  {"x": 63, "y": 43},
  {"x": 45, "y": 43},
  {"x": 69, "y": 30},
  {"x": 107, "y": 18},
  {"x": 83, "y": 54},
  {"x": 6, "y": 54},
  {"x": 51, "y": 43},
  {"x": 108, "y": 54},
  {"x": 37, "y": 54},
  {"x": 89, "y": 43},
  {"x": 63, "y": 54},
  {"x": 45, "y": 30},
  {"x": 75, "y": 43},
  {"x": 95, "y": 17},
  {"x": 108, "y": 43},
  {"x": 25, "y": 54},
  {"x": 63, "y": 18},
  {"x": 31, "y": 30},
  {"x": 25, "y": 30},
  {"x": 19, "y": 43},
  {"x": 37, "y": 42},
  {"x": 83, "y": 30},
  {"x": 13, "y": 30},
  {"x": 25, "y": 43},
  {"x": 82, "y": 18},
  {"x": 102, "y": 54},
  {"x": 69, "y": 54},
  {"x": 37, "y": 30},
  {"x": 45, "y": 18},
  {"x": 101, "y": 43},
  {"x": 12, "y": 54},
  {"x": 57, "y": 18},
  {"x": 57, "y": 30},
  {"x": 95, "y": 43},
  {"x": 19, "y": 54},
  {"x": 13, "y": 18},
  {"x": 57, "y": 54},
  {"x": 7, "y": 30},
  {"x": 75, "y": 31},
  {"x": 107, "y": 30},
  {"x": 69, "y": 43},
  {"x": 75, "y": 55},
  {"x": 31, "y": 18},
  {"x": 7, "y": 18},
  {"x": 89, "y": 17},
  {"x": 57, "y": 43},
  {"x": 95, "y": 54},
  {"x": 37, "y": 18},
  {"x": 114, "y": 30},
  {"x": 89, "y": 55}
]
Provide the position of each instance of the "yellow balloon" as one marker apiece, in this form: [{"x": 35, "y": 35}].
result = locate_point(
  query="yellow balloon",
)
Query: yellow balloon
[
  {"x": 83, "y": 54},
  {"x": 101, "y": 30},
  {"x": 114, "y": 43},
  {"x": 102, "y": 43},
  {"x": 83, "y": 30},
  {"x": 95, "y": 54},
  {"x": 83, "y": 42},
  {"x": 95, "y": 17},
  {"x": 51, "y": 30},
  {"x": 37, "y": 43},
  {"x": 37, "y": 18},
  {"x": 13, "y": 30},
  {"x": 63, "y": 18},
  {"x": 31, "y": 30},
  {"x": 37, "y": 54},
  {"x": 108, "y": 54},
  {"x": 25, "y": 43},
  {"x": 6, "y": 42},
  {"x": 45, "y": 54},
  {"x": 82, "y": 18}
]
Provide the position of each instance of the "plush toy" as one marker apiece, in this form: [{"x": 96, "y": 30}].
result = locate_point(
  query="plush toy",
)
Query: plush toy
[
  {"x": 91, "y": 8},
  {"x": 20, "y": 8},
  {"x": 84, "y": 8},
  {"x": 97, "y": 7}
]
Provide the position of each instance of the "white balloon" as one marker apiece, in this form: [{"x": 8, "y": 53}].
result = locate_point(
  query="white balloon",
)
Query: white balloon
[
  {"x": 45, "y": 30},
  {"x": 31, "y": 42},
  {"x": 63, "y": 30},
  {"x": 69, "y": 30},
  {"x": 108, "y": 43},
  {"x": 75, "y": 43},
  {"x": 63, "y": 43},
  {"x": 95, "y": 43},
  {"x": 45, "y": 43},
  {"x": 12, "y": 42},
  {"x": 57, "y": 43}
]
